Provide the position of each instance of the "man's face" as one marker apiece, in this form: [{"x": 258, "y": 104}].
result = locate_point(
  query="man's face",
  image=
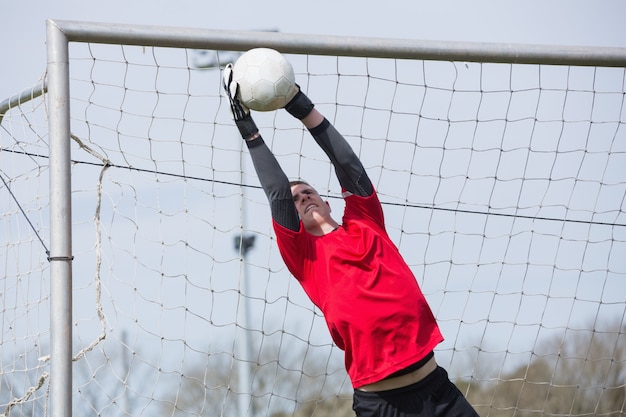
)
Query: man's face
[{"x": 309, "y": 205}]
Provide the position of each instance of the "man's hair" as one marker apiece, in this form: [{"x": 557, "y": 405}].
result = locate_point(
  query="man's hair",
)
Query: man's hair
[
  {"x": 298, "y": 182},
  {"x": 302, "y": 182}
]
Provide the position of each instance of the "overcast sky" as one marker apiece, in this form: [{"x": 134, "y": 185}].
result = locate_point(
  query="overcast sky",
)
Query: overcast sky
[
  {"x": 550, "y": 22},
  {"x": 560, "y": 22}
]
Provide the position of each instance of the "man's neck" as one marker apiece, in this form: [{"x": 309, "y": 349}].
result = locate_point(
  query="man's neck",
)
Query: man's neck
[{"x": 323, "y": 228}]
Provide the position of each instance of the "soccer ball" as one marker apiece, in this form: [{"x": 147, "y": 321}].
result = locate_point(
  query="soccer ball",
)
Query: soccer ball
[{"x": 266, "y": 80}]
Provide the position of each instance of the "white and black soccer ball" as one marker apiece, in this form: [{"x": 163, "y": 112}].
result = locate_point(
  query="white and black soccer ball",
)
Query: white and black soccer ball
[{"x": 266, "y": 79}]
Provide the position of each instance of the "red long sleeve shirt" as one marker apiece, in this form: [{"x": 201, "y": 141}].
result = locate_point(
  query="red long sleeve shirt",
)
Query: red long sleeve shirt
[{"x": 372, "y": 304}]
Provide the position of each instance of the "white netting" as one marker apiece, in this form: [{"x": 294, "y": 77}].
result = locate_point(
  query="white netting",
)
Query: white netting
[
  {"x": 503, "y": 186},
  {"x": 24, "y": 287}
]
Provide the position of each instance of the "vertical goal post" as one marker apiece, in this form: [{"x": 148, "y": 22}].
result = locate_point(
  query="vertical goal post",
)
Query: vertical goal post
[{"x": 60, "y": 34}]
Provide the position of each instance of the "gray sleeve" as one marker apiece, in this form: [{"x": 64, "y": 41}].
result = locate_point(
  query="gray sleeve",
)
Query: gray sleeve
[
  {"x": 349, "y": 169},
  {"x": 275, "y": 184}
]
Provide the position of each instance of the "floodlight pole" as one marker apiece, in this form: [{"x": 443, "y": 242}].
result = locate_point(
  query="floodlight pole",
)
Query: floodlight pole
[
  {"x": 243, "y": 244},
  {"x": 209, "y": 59}
]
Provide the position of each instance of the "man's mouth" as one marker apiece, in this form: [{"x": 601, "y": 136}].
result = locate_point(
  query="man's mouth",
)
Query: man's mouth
[{"x": 309, "y": 207}]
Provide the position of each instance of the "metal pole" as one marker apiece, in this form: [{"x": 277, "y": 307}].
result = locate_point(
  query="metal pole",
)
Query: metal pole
[
  {"x": 295, "y": 43},
  {"x": 243, "y": 243},
  {"x": 21, "y": 98},
  {"x": 212, "y": 59},
  {"x": 60, "y": 256}
]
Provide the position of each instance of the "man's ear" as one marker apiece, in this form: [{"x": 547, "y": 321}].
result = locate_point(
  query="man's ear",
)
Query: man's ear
[{"x": 330, "y": 209}]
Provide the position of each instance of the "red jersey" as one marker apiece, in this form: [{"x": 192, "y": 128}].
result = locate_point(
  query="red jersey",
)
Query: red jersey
[{"x": 372, "y": 304}]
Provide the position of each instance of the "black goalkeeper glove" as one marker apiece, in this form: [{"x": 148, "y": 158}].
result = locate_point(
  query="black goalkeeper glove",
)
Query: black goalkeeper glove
[
  {"x": 241, "y": 113},
  {"x": 300, "y": 105}
]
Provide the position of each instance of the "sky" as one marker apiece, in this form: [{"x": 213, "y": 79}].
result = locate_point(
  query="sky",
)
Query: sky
[{"x": 558, "y": 22}]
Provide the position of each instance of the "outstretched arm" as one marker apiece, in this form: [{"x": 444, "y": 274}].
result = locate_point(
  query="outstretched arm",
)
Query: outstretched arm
[
  {"x": 275, "y": 184},
  {"x": 273, "y": 180},
  {"x": 349, "y": 169}
]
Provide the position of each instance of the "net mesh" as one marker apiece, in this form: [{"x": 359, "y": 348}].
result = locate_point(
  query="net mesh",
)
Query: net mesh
[{"x": 503, "y": 186}]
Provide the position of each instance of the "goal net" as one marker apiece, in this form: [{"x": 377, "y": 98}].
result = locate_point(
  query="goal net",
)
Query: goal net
[{"x": 503, "y": 186}]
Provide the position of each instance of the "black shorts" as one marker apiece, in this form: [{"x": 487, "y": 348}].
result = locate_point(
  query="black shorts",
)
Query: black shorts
[{"x": 434, "y": 395}]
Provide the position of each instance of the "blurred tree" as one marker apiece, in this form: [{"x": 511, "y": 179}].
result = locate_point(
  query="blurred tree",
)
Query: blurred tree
[
  {"x": 582, "y": 373},
  {"x": 335, "y": 406},
  {"x": 286, "y": 381}
]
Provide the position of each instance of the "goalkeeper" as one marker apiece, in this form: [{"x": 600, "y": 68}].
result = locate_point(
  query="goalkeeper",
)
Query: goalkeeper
[{"x": 372, "y": 304}]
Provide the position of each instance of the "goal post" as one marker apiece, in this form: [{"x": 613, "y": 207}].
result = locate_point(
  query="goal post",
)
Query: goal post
[{"x": 501, "y": 172}]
